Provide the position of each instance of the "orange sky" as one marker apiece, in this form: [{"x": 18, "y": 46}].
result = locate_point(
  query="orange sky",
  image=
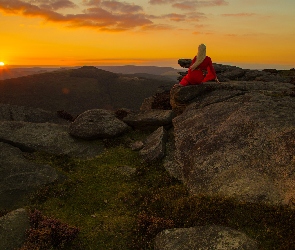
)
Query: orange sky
[{"x": 246, "y": 33}]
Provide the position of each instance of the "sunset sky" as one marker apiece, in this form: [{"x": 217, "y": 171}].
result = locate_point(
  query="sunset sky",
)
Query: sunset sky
[{"x": 245, "y": 33}]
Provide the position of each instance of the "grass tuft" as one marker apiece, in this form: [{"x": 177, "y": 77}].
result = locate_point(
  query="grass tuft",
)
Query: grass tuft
[{"x": 117, "y": 211}]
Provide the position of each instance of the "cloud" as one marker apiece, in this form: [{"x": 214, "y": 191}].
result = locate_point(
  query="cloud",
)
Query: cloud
[
  {"x": 239, "y": 15},
  {"x": 53, "y": 4},
  {"x": 175, "y": 17},
  {"x": 122, "y": 7},
  {"x": 189, "y": 5},
  {"x": 195, "y": 16},
  {"x": 157, "y": 27},
  {"x": 161, "y": 1},
  {"x": 101, "y": 15},
  {"x": 115, "y": 6},
  {"x": 187, "y": 17},
  {"x": 92, "y": 2},
  {"x": 27, "y": 9}
]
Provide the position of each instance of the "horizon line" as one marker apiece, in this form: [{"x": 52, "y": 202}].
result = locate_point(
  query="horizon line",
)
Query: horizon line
[{"x": 258, "y": 66}]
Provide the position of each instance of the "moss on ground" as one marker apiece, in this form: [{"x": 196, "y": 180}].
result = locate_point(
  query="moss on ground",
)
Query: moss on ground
[{"x": 117, "y": 211}]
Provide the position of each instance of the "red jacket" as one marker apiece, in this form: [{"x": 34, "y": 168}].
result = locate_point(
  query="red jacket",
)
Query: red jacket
[{"x": 196, "y": 76}]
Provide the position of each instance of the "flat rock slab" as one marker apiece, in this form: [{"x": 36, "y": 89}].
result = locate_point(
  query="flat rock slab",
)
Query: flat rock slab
[
  {"x": 97, "y": 123},
  {"x": 19, "y": 177},
  {"x": 203, "y": 238},
  {"x": 13, "y": 227},
  {"x": 47, "y": 137},
  {"x": 241, "y": 147},
  {"x": 150, "y": 120},
  {"x": 27, "y": 114},
  {"x": 208, "y": 93}
]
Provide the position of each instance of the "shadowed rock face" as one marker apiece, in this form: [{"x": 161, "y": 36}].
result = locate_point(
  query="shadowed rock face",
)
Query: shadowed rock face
[
  {"x": 21, "y": 113},
  {"x": 150, "y": 120},
  {"x": 205, "y": 237},
  {"x": 157, "y": 101},
  {"x": 46, "y": 137},
  {"x": 154, "y": 147},
  {"x": 13, "y": 228},
  {"x": 19, "y": 177},
  {"x": 237, "y": 140}
]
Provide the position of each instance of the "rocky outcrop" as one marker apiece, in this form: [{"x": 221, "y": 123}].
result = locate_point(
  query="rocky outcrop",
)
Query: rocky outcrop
[
  {"x": 207, "y": 93},
  {"x": 203, "y": 238},
  {"x": 150, "y": 120},
  {"x": 154, "y": 148},
  {"x": 237, "y": 140},
  {"x": 182, "y": 97},
  {"x": 21, "y": 113},
  {"x": 47, "y": 137},
  {"x": 13, "y": 227},
  {"x": 123, "y": 112},
  {"x": 228, "y": 73},
  {"x": 147, "y": 103},
  {"x": 137, "y": 145},
  {"x": 65, "y": 115},
  {"x": 19, "y": 177},
  {"x": 97, "y": 123},
  {"x": 158, "y": 101}
]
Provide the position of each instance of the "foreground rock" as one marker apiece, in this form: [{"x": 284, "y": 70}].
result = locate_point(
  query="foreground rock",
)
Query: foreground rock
[
  {"x": 150, "y": 120},
  {"x": 238, "y": 141},
  {"x": 21, "y": 113},
  {"x": 155, "y": 146},
  {"x": 208, "y": 93},
  {"x": 19, "y": 177},
  {"x": 13, "y": 227},
  {"x": 47, "y": 137},
  {"x": 97, "y": 123},
  {"x": 203, "y": 238}
]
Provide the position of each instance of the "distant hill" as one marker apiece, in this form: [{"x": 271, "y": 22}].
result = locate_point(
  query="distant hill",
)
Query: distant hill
[
  {"x": 77, "y": 90},
  {"x": 151, "y": 71},
  {"x": 14, "y": 72},
  {"x": 132, "y": 69}
]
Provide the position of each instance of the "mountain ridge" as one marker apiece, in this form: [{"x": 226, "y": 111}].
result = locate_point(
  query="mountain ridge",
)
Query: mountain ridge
[
  {"x": 77, "y": 90},
  {"x": 8, "y": 72}
]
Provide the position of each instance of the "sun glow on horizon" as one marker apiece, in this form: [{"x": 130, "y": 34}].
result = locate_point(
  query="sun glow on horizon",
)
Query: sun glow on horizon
[{"x": 158, "y": 33}]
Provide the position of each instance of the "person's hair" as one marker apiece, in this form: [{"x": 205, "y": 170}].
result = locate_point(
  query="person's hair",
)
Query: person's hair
[{"x": 201, "y": 56}]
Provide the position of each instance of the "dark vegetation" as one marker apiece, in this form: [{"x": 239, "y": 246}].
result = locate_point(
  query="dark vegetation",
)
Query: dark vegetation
[
  {"x": 65, "y": 115},
  {"x": 132, "y": 69},
  {"x": 162, "y": 101},
  {"x": 112, "y": 210},
  {"x": 46, "y": 233},
  {"x": 78, "y": 90}
]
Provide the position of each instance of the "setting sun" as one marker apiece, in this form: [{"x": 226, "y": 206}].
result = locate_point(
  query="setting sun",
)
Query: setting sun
[{"x": 2, "y": 63}]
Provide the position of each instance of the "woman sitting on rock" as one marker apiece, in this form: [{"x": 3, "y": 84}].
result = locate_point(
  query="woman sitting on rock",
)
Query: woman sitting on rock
[{"x": 197, "y": 71}]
